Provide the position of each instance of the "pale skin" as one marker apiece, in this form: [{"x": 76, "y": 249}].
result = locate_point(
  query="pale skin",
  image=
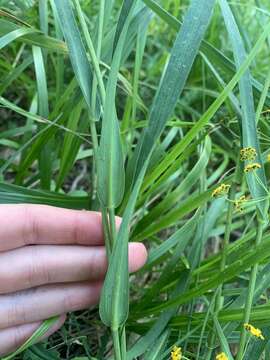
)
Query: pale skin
[{"x": 52, "y": 261}]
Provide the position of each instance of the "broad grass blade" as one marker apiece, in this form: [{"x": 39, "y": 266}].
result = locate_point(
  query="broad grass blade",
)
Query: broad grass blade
[
  {"x": 110, "y": 166},
  {"x": 183, "y": 54}
]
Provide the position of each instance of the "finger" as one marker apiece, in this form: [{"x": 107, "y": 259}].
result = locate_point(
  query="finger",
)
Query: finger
[
  {"x": 41, "y": 224},
  {"x": 46, "y": 301},
  {"x": 12, "y": 338},
  {"x": 38, "y": 265}
]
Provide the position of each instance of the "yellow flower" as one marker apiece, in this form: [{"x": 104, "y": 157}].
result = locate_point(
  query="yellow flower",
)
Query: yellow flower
[
  {"x": 238, "y": 203},
  {"x": 254, "y": 331},
  {"x": 222, "y": 190},
  {"x": 268, "y": 157},
  {"x": 222, "y": 356},
  {"x": 248, "y": 153},
  {"x": 176, "y": 353},
  {"x": 252, "y": 167}
]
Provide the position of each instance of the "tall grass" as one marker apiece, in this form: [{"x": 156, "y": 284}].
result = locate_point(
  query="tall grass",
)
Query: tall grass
[{"x": 141, "y": 109}]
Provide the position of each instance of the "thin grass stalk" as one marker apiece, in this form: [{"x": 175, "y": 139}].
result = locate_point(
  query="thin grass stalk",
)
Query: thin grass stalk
[
  {"x": 98, "y": 52},
  {"x": 251, "y": 290},
  {"x": 227, "y": 235},
  {"x": 119, "y": 342},
  {"x": 263, "y": 97},
  {"x": 225, "y": 244},
  {"x": 123, "y": 344},
  {"x": 98, "y": 76}
]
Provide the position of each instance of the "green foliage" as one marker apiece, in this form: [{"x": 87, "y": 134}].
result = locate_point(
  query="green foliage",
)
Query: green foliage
[{"x": 140, "y": 109}]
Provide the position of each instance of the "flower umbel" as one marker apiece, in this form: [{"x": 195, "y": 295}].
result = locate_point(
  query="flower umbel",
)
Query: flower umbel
[
  {"x": 252, "y": 167},
  {"x": 222, "y": 356},
  {"x": 254, "y": 331},
  {"x": 248, "y": 153},
  {"x": 222, "y": 190},
  {"x": 176, "y": 353},
  {"x": 238, "y": 203}
]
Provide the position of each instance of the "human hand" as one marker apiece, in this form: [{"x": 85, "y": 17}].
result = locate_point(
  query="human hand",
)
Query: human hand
[{"x": 52, "y": 261}]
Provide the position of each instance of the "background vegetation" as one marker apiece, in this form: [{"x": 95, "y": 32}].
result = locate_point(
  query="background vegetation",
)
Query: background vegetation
[{"x": 184, "y": 110}]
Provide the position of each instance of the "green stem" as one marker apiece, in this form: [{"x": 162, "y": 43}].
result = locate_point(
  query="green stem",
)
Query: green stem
[
  {"x": 116, "y": 345},
  {"x": 251, "y": 289},
  {"x": 95, "y": 150},
  {"x": 227, "y": 235},
  {"x": 225, "y": 244},
  {"x": 98, "y": 52},
  {"x": 123, "y": 344}
]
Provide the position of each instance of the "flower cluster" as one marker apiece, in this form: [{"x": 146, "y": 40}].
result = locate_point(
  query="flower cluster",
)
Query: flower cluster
[
  {"x": 176, "y": 353},
  {"x": 238, "y": 203},
  {"x": 248, "y": 153},
  {"x": 221, "y": 356},
  {"x": 222, "y": 190},
  {"x": 252, "y": 167},
  {"x": 254, "y": 331}
]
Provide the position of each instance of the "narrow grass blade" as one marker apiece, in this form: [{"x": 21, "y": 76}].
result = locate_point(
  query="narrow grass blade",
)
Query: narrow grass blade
[
  {"x": 223, "y": 341},
  {"x": 13, "y": 35},
  {"x": 45, "y": 327},
  {"x": 207, "y": 116},
  {"x": 182, "y": 235},
  {"x": 125, "y": 10},
  {"x": 249, "y": 131},
  {"x": 13, "y": 194},
  {"x": 33, "y": 37},
  {"x": 76, "y": 48}
]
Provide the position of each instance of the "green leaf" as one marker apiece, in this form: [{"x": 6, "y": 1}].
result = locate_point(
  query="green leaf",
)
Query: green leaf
[
  {"x": 182, "y": 235},
  {"x": 13, "y": 35},
  {"x": 12, "y": 194},
  {"x": 43, "y": 329},
  {"x": 250, "y": 257},
  {"x": 77, "y": 52},
  {"x": 110, "y": 166},
  {"x": 33, "y": 37},
  {"x": 183, "y": 54},
  {"x": 114, "y": 302},
  {"x": 71, "y": 145},
  {"x": 223, "y": 341}
]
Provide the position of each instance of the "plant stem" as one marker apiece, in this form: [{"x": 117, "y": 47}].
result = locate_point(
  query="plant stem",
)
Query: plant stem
[
  {"x": 98, "y": 52},
  {"x": 219, "y": 298},
  {"x": 116, "y": 345},
  {"x": 251, "y": 289},
  {"x": 123, "y": 344},
  {"x": 226, "y": 241},
  {"x": 95, "y": 148}
]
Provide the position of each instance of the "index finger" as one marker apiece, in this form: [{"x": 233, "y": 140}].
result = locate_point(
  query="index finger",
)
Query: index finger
[{"x": 41, "y": 224}]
